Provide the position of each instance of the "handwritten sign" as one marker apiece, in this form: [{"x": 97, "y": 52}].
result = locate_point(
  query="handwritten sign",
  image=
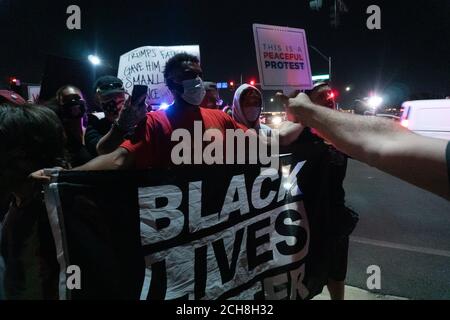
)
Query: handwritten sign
[
  {"x": 283, "y": 59},
  {"x": 145, "y": 66},
  {"x": 33, "y": 93}
]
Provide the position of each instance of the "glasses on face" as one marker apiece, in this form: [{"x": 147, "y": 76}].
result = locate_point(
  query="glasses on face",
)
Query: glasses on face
[
  {"x": 71, "y": 99},
  {"x": 110, "y": 86},
  {"x": 118, "y": 96}
]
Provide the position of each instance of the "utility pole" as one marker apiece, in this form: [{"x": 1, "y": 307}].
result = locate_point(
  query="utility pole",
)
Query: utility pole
[{"x": 325, "y": 57}]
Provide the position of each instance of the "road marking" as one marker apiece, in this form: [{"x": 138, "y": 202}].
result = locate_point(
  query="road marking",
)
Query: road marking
[{"x": 405, "y": 247}]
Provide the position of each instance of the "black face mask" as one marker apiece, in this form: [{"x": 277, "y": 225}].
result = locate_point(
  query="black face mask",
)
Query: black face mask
[
  {"x": 110, "y": 107},
  {"x": 73, "y": 109}
]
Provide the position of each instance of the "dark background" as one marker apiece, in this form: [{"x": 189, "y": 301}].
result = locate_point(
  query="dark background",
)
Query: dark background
[{"x": 410, "y": 55}]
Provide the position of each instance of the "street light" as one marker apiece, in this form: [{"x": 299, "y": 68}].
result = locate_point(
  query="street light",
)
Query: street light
[
  {"x": 324, "y": 57},
  {"x": 374, "y": 101},
  {"x": 95, "y": 60}
]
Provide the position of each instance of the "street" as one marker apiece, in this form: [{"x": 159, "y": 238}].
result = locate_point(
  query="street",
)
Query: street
[{"x": 403, "y": 230}]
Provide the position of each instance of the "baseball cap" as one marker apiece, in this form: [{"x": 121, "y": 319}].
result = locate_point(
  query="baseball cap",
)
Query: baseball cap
[
  {"x": 11, "y": 97},
  {"x": 316, "y": 86},
  {"x": 107, "y": 85}
]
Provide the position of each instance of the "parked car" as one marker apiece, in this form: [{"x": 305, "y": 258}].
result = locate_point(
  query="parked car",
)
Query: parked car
[{"x": 427, "y": 117}]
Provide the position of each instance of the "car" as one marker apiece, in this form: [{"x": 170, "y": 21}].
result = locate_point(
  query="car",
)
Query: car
[
  {"x": 429, "y": 118},
  {"x": 272, "y": 119}
]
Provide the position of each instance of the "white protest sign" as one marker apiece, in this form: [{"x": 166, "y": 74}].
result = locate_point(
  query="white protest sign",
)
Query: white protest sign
[
  {"x": 145, "y": 66},
  {"x": 33, "y": 93},
  {"x": 283, "y": 59}
]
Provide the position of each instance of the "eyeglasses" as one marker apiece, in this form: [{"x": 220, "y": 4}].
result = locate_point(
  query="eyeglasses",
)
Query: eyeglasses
[{"x": 110, "y": 86}]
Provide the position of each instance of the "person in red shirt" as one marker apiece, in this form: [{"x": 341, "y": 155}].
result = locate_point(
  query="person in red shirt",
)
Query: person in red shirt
[{"x": 151, "y": 144}]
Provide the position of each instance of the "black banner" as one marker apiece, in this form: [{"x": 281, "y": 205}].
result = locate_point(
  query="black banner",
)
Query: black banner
[{"x": 199, "y": 233}]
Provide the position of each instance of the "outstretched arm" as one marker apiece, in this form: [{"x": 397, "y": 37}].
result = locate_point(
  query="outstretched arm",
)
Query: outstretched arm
[
  {"x": 129, "y": 117},
  {"x": 380, "y": 143},
  {"x": 120, "y": 159}
]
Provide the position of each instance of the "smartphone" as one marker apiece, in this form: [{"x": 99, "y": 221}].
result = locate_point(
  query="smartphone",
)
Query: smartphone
[{"x": 138, "y": 92}]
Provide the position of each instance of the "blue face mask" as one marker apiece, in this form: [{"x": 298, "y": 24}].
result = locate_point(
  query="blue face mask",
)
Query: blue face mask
[{"x": 193, "y": 91}]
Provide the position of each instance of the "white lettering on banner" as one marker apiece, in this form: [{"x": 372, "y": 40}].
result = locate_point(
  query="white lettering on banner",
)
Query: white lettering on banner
[
  {"x": 257, "y": 201},
  {"x": 212, "y": 266},
  {"x": 216, "y": 263},
  {"x": 162, "y": 219},
  {"x": 145, "y": 66},
  {"x": 155, "y": 221}
]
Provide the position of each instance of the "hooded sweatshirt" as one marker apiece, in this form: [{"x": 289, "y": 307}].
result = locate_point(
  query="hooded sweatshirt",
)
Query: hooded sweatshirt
[{"x": 238, "y": 114}]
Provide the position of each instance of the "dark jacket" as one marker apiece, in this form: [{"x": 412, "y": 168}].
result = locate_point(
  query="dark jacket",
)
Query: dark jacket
[{"x": 96, "y": 129}]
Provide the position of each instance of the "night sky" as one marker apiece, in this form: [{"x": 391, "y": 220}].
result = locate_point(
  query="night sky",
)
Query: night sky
[{"x": 410, "y": 55}]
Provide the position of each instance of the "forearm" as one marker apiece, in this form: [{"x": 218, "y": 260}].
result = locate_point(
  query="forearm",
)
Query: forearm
[
  {"x": 289, "y": 132},
  {"x": 358, "y": 136},
  {"x": 117, "y": 160},
  {"x": 385, "y": 145},
  {"x": 417, "y": 160},
  {"x": 110, "y": 142}
]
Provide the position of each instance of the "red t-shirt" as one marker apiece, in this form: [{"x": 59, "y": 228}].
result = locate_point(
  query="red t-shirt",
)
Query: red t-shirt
[{"x": 151, "y": 143}]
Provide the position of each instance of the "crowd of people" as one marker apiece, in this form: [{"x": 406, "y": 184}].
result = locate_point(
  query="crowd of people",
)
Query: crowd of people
[{"x": 63, "y": 133}]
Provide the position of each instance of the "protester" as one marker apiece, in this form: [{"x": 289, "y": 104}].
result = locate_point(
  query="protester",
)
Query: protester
[
  {"x": 342, "y": 220},
  {"x": 110, "y": 96},
  {"x": 419, "y": 160},
  {"x": 123, "y": 127},
  {"x": 151, "y": 144},
  {"x": 70, "y": 106},
  {"x": 212, "y": 98},
  {"x": 247, "y": 107},
  {"x": 32, "y": 137},
  {"x": 12, "y": 98}
]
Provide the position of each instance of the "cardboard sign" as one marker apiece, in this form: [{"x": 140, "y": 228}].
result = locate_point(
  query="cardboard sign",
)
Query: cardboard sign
[
  {"x": 283, "y": 59},
  {"x": 33, "y": 93},
  {"x": 145, "y": 66}
]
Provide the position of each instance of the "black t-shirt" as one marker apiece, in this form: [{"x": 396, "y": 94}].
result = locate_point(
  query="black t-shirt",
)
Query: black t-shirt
[
  {"x": 77, "y": 152},
  {"x": 321, "y": 181},
  {"x": 96, "y": 129}
]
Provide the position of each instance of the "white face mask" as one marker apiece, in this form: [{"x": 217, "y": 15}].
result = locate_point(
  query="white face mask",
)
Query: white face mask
[
  {"x": 252, "y": 113},
  {"x": 194, "y": 91}
]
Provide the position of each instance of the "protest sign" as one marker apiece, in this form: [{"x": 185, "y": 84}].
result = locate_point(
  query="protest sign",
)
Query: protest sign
[
  {"x": 33, "y": 93},
  {"x": 145, "y": 66},
  {"x": 221, "y": 232},
  {"x": 283, "y": 59}
]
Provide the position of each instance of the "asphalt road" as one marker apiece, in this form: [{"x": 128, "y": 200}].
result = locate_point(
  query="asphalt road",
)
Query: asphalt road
[{"x": 403, "y": 230}]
